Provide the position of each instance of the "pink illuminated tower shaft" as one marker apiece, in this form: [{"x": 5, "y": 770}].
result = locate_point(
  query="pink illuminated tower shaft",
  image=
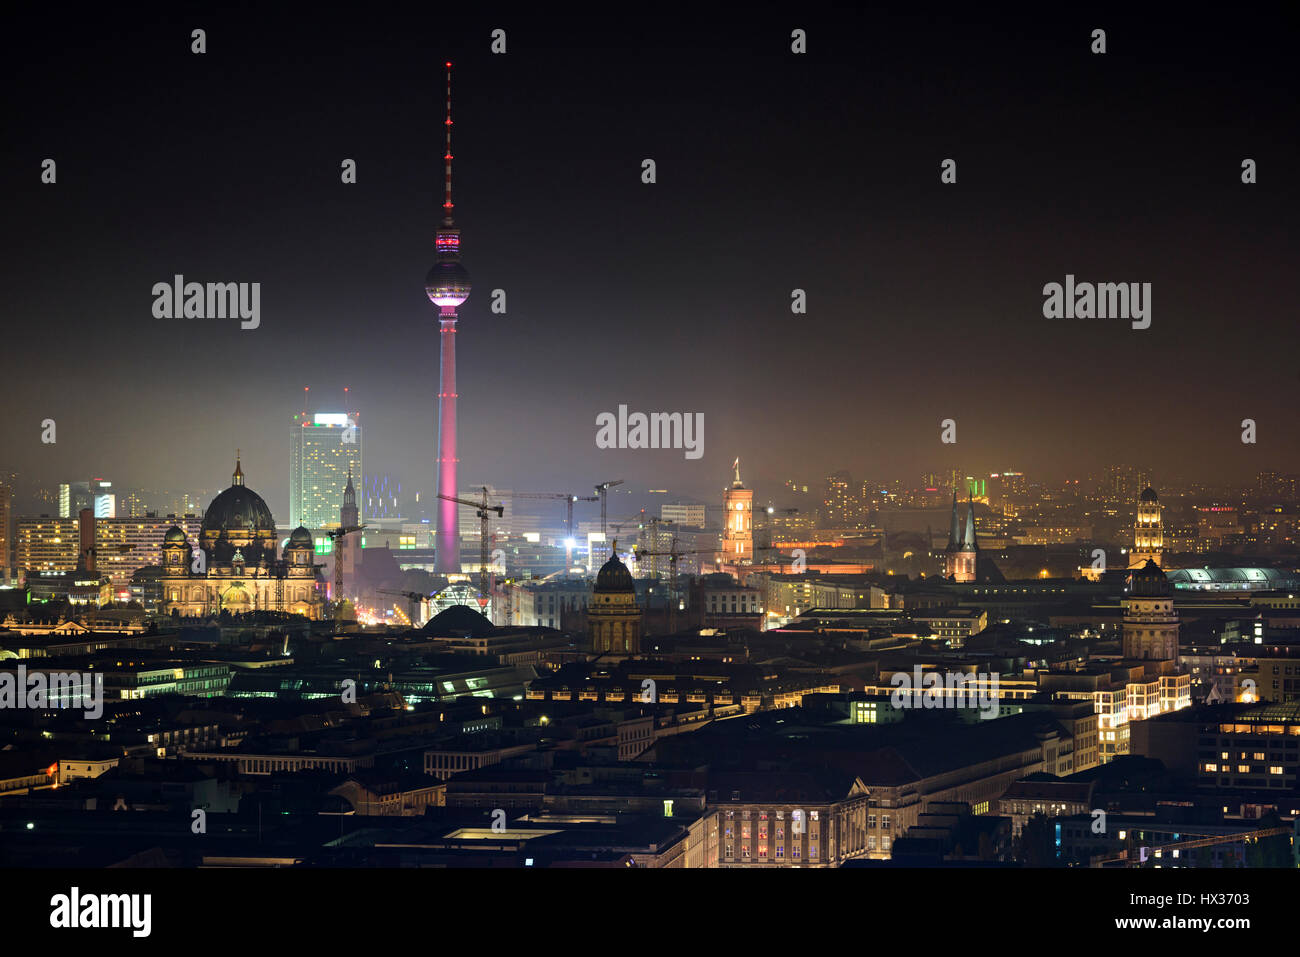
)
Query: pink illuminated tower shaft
[
  {"x": 447, "y": 286},
  {"x": 447, "y": 556}
]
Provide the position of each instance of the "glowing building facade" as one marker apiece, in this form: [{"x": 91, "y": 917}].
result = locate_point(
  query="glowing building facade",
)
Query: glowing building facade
[
  {"x": 738, "y": 522},
  {"x": 236, "y": 567},
  {"x": 1148, "y": 531},
  {"x": 324, "y": 447}
]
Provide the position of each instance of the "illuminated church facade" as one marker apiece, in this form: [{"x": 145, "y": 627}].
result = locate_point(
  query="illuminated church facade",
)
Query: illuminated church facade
[{"x": 237, "y": 566}]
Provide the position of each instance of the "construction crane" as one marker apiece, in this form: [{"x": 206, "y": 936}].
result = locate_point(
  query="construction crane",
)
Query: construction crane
[
  {"x": 279, "y": 569},
  {"x": 482, "y": 510},
  {"x": 634, "y": 520},
  {"x": 649, "y": 529},
  {"x": 602, "y": 489},
  {"x": 412, "y": 597},
  {"x": 1251, "y": 837},
  {"x": 673, "y": 554},
  {"x": 336, "y": 536},
  {"x": 569, "y": 498},
  {"x": 638, "y": 520}
]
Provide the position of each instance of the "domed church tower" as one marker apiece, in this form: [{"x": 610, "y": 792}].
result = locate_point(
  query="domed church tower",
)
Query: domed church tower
[
  {"x": 613, "y": 617},
  {"x": 1150, "y": 622},
  {"x": 238, "y": 520},
  {"x": 1148, "y": 530},
  {"x": 236, "y": 567}
]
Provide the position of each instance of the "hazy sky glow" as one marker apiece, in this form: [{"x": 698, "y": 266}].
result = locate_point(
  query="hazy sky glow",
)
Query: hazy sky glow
[{"x": 775, "y": 171}]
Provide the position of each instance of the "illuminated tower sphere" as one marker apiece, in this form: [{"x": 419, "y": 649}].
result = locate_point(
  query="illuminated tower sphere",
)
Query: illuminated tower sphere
[
  {"x": 447, "y": 285},
  {"x": 1148, "y": 531}
]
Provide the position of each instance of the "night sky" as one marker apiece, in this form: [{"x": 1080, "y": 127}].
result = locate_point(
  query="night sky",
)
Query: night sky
[{"x": 775, "y": 171}]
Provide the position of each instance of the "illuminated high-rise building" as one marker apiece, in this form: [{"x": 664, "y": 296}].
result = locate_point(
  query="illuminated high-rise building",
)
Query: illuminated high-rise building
[
  {"x": 324, "y": 447},
  {"x": 125, "y": 545},
  {"x": 1122, "y": 483},
  {"x": 48, "y": 544},
  {"x": 97, "y": 495},
  {"x": 1280, "y": 486},
  {"x": 6, "y": 534},
  {"x": 105, "y": 502},
  {"x": 447, "y": 286},
  {"x": 1006, "y": 488},
  {"x": 841, "y": 507},
  {"x": 738, "y": 522},
  {"x": 1148, "y": 531}
]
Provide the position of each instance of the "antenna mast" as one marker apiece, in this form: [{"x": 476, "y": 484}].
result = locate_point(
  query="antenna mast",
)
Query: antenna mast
[{"x": 447, "y": 205}]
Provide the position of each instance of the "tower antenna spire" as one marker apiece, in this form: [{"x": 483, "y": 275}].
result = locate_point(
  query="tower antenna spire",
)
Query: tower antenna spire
[
  {"x": 447, "y": 286},
  {"x": 447, "y": 204}
]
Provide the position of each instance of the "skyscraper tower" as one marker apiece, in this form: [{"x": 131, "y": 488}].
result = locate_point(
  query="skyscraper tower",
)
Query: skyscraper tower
[
  {"x": 323, "y": 447},
  {"x": 447, "y": 286}
]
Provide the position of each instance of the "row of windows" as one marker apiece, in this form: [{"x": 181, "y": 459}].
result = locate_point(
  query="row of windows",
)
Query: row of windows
[
  {"x": 779, "y": 853},
  {"x": 1243, "y": 768}
]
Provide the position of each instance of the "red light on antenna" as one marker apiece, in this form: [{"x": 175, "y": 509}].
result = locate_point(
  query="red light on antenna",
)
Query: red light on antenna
[{"x": 448, "y": 64}]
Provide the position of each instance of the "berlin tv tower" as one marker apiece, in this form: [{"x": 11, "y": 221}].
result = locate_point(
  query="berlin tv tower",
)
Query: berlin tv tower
[{"x": 447, "y": 286}]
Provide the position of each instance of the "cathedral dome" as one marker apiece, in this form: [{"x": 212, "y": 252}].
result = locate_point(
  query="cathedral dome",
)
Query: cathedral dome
[
  {"x": 1149, "y": 496},
  {"x": 241, "y": 509},
  {"x": 614, "y": 576},
  {"x": 175, "y": 536},
  {"x": 1150, "y": 581},
  {"x": 301, "y": 538}
]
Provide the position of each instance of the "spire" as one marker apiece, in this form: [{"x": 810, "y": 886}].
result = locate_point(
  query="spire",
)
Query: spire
[
  {"x": 349, "y": 491},
  {"x": 736, "y": 465},
  {"x": 968, "y": 542},
  {"x": 447, "y": 204},
  {"x": 954, "y": 534},
  {"x": 238, "y": 477}
]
